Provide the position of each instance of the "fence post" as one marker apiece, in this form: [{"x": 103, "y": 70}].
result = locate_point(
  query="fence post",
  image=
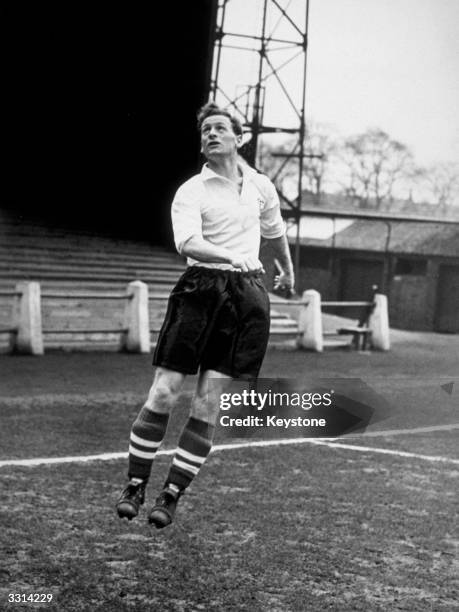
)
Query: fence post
[
  {"x": 28, "y": 339},
  {"x": 136, "y": 338},
  {"x": 379, "y": 324},
  {"x": 310, "y": 322}
]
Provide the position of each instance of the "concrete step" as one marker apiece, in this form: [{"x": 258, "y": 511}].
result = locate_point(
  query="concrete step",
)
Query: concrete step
[
  {"x": 69, "y": 252},
  {"x": 20, "y": 227},
  {"x": 280, "y": 316},
  {"x": 72, "y": 242},
  {"x": 12, "y": 259},
  {"x": 71, "y": 288},
  {"x": 35, "y": 271},
  {"x": 87, "y": 275},
  {"x": 281, "y": 326}
]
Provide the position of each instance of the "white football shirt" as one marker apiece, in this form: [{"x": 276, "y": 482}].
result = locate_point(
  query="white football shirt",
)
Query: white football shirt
[{"x": 210, "y": 205}]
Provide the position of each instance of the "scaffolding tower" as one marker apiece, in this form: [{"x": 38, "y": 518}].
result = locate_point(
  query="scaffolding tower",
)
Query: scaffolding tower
[{"x": 259, "y": 72}]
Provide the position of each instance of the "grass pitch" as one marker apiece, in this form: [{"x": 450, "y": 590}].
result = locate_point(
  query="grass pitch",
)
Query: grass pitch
[
  {"x": 282, "y": 528},
  {"x": 285, "y": 528}
]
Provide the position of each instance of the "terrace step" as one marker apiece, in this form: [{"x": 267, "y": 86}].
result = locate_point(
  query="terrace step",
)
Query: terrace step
[
  {"x": 88, "y": 275},
  {"x": 15, "y": 258}
]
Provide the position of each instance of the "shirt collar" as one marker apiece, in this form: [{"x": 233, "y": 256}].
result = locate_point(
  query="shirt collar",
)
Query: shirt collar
[{"x": 207, "y": 173}]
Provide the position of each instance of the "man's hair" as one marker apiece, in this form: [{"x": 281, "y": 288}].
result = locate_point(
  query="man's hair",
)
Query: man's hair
[{"x": 211, "y": 108}]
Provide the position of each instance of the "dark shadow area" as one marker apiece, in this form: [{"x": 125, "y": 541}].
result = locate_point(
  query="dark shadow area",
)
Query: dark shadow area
[{"x": 66, "y": 77}]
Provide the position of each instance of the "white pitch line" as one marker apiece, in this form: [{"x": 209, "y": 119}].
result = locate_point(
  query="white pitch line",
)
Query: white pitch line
[
  {"x": 386, "y": 451},
  {"x": 401, "y": 432},
  {"x": 330, "y": 442}
]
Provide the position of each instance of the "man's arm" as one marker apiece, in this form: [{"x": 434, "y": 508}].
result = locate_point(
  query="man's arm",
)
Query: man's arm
[
  {"x": 281, "y": 250},
  {"x": 273, "y": 225},
  {"x": 202, "y": 250}
]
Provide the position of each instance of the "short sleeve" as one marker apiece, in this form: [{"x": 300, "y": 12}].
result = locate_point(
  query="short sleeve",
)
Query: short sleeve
[
  {"x": 271, "y": 222},
  {"x": 186, "y": 217}
]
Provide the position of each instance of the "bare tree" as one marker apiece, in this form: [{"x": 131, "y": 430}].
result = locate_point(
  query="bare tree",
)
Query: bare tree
[
  {"x": 375, "y": 162},
  {"x": 443, "y": 183},
  {"x": 273, "y": 158},
  {"x": 280, "y": 161},
  {"x": 413, "y": 183},
  {"x": 320, "y": 147}
]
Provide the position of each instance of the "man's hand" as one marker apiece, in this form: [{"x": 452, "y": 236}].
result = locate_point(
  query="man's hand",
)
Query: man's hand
[
  {"x": 247, "y": 264},
  {"x": 284, "y": 282}
]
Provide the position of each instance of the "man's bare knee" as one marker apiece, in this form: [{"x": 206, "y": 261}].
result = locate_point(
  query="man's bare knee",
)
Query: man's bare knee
[
  {"x": 204, "y": 410},
  {"x": 205, "y": 405},
  {"x": 165, "y": 390}
]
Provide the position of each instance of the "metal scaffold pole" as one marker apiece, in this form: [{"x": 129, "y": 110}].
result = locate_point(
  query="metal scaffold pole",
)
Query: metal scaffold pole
[{"x": 277, "y": 28}]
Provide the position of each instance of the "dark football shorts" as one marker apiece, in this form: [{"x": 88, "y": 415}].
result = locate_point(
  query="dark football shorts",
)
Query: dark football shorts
[{"x": 215, "y": 320}]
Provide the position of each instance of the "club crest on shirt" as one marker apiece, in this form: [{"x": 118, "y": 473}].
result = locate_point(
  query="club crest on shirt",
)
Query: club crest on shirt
[{"x": 261, "y": 203}]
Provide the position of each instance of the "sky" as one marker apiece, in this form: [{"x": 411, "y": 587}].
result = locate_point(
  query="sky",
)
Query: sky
[{"x": 392, "y": 64}]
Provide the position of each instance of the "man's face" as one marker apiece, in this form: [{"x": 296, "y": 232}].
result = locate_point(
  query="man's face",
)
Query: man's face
[{"x": 218, "y": 138}]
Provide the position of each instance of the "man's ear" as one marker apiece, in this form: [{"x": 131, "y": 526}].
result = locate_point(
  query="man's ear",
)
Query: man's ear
[{"x": 239, "y": 141}]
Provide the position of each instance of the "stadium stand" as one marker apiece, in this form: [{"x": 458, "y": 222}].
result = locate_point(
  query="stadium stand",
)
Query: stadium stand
[{"x": 72, "y": 263}]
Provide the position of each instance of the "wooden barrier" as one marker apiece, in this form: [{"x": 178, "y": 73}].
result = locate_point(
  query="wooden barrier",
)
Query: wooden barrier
[
  {"x": 27, "y": 335},
  {"x": 136, "y": 337},
  {"x": 310, "y": 322},
  {"x": 379, "y": 323}
]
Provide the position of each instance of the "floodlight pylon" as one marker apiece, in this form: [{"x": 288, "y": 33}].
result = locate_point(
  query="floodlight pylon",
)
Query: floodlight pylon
[{"x": 250, "y": 105}]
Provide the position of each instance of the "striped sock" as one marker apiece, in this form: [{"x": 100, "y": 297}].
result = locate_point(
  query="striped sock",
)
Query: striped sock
[
  {"x": 147, "y": 433},
  {"x": 193, "y": 447}
]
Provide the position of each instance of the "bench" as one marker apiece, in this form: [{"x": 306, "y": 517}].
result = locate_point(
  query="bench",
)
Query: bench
[
  {"x": 360, "y": 336},
  {"x": 361, "y": 333}
]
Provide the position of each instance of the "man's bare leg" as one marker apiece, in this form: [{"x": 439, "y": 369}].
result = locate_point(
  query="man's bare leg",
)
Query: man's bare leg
[
  {"x": 147, "y": 433},
  {"x": 194, "y": 445}
]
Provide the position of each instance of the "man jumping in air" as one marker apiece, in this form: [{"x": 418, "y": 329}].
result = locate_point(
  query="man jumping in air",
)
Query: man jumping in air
[{"x": 217, "y": 319}]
